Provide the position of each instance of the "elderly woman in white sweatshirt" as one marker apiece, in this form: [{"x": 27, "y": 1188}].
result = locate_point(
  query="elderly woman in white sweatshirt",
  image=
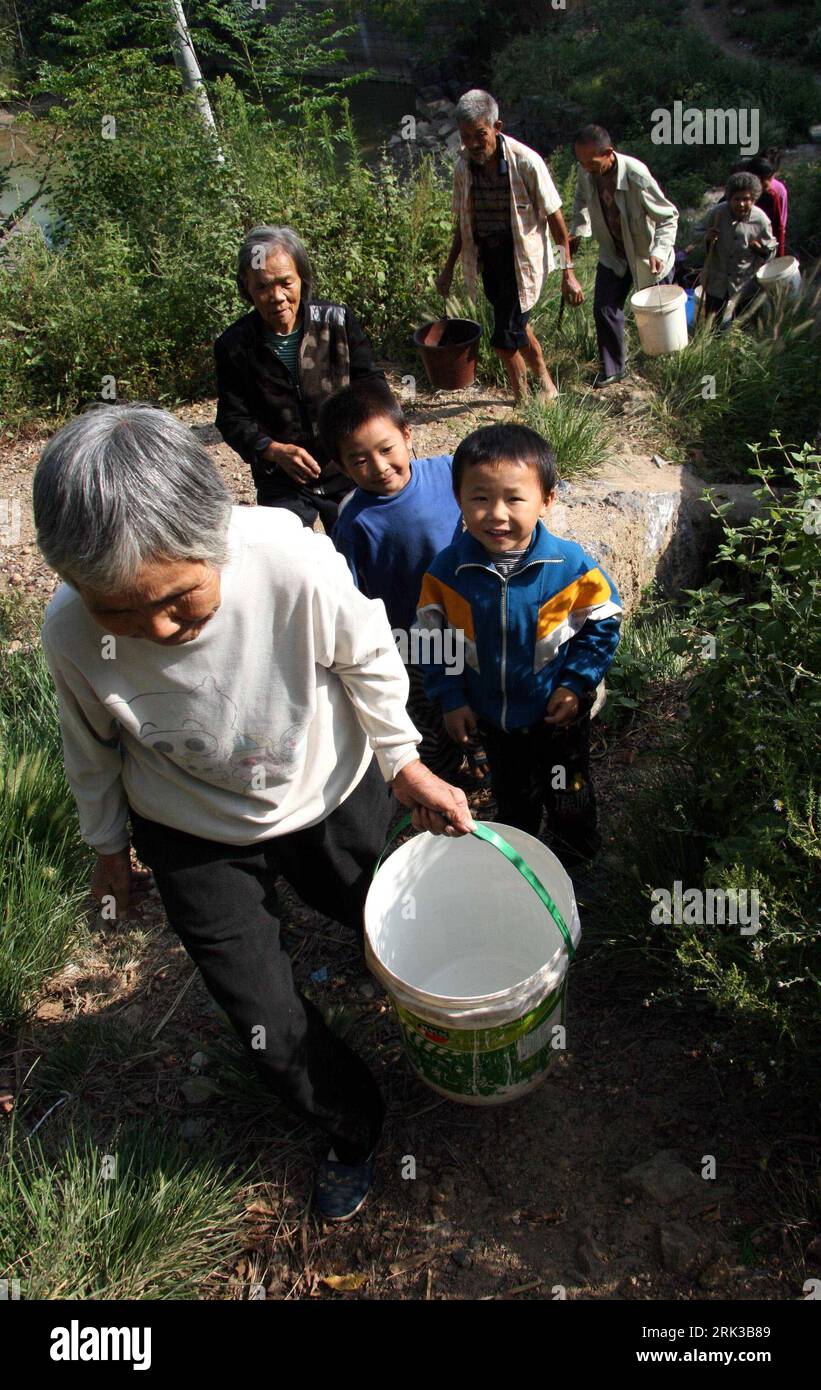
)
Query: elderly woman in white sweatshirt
[{"x": 224, "y": 687}]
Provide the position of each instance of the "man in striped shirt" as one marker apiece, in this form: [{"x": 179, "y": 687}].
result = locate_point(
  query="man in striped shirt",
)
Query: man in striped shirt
[{"x": 504, "y": 201}]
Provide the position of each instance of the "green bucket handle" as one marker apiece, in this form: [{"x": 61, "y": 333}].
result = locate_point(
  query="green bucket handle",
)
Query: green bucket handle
[{"x": 492, "y": 837}]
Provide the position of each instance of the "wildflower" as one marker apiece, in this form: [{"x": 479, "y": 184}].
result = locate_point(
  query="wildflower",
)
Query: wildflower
[
  {"x": 778, "y": 805},
  {"x": 759, "y": 1078}
]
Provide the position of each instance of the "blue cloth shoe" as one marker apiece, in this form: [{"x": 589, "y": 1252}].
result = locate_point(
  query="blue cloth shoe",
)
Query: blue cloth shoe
[{"x": 340, "y": 1189}]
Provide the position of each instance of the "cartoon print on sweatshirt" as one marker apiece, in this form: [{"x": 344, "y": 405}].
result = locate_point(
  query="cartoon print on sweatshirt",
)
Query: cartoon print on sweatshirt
[{"x": 204, "y": 741}]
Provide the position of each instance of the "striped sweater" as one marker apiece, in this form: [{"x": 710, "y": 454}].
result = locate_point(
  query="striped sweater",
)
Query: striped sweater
[{"x": 554, "y": 621}]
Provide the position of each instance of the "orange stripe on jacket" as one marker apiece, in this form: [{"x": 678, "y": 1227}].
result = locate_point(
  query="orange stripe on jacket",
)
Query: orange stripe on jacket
[
  {"x": 456, "y": 609},
  {"x": 587, "y": 592}
]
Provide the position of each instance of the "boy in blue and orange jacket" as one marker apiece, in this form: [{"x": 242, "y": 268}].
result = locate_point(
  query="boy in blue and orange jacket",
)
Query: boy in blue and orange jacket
[{"x": 539, "y": 620}]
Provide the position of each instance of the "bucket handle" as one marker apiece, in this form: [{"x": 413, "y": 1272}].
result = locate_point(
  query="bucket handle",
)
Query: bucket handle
[{"x": 492, "y": 837}]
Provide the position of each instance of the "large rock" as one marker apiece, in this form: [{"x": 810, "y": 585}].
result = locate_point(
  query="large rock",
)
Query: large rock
[{"x": 646, "y": 524}]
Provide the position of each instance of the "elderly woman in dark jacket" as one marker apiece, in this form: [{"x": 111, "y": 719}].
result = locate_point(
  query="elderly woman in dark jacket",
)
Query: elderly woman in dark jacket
[{"x": 276, "y": 366}]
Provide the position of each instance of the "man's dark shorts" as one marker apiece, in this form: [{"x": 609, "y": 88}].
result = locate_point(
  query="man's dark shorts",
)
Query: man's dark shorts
[{"x": 499, "y": 279}]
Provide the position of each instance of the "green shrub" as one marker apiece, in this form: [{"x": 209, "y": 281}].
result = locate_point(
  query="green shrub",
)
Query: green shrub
[
  {"x": 620, "y": 60},
  {"x": 644, "y": 666},
  {"x": 141, "y": 278},
  {"x": 803, "y": 182},
  {"x": 732, "y": 799}
]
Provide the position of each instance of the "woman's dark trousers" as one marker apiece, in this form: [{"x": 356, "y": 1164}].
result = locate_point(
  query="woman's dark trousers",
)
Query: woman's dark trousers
[{"x": 221, "y": 901}]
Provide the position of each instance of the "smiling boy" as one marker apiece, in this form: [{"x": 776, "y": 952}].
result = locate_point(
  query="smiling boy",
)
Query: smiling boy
[
  {"x": 541, "y": 626},
  {"x": 400, "y": 514}
]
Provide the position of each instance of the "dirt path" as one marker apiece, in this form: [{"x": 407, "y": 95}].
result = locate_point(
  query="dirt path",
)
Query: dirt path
[
  {"x": 710, "y": 19},
  {"x": 591, "y": 1188}
]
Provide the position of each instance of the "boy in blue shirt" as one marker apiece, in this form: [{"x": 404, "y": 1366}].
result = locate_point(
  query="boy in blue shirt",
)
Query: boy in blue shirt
[
  {"x": 400, "y": 514},
  {"x": 541, "y": 625}
]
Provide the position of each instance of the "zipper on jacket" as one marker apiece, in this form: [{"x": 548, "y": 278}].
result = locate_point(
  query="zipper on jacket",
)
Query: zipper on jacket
[{"x": 504, "y": 650}]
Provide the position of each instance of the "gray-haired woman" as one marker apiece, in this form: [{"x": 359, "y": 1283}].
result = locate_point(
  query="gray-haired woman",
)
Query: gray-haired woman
[
  {"x": 224, "y": 687},
  {"x": 276, "y": 366},
  {"x": 739, "y": 240}
]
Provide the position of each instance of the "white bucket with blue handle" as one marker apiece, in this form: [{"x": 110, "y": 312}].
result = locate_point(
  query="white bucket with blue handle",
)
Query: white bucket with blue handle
[{"x": 471, "y": 937}]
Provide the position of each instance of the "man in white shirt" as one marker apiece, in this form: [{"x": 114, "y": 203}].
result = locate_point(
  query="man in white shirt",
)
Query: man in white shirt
[
  {"x": 224, "y": 687},
  {"x": 504, "y": 201}
]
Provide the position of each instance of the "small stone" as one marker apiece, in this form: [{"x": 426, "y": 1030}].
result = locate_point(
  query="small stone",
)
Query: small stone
[
  {"x": 198, "y": 1062},
  {"x": 664, "y": 1179},
  {"x": 475, "y": 1242},
  {"x": 133, "y": 1016},
  {"x": 462, "y": 1258},
  {"x": 591, "y": 1261},
  {"x": 367, "y": 991},
  {"x": 442, "y": 108},
  {"x": 15, "y": 646},
  {"x": 193, "y": 1129},
  {"x": 681, "y": 1249},
  {"x": 198, "y": 1089},
  {"x": 716, "y": 1273}
]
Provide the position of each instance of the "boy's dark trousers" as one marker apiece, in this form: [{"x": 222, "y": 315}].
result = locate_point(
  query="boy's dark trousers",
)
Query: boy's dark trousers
[
  {"x": 545, "y": 768},
  {"x": 221, "y": 901}
]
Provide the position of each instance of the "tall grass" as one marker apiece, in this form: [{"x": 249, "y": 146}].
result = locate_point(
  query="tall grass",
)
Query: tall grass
[
  {"x": 42, "y": 862},
  {"x": 728, "y": 390},
  {"x": 152, "y": 1224},
  {"x": 645, "y": 665},
  {"x": 579, "y": 427}
]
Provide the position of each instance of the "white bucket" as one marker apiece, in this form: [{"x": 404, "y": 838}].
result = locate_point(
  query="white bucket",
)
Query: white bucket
[
  {"x": 782, "y": 274},
  {"x": 473, "y": 961},
  {"x": 661, "y": 318}
]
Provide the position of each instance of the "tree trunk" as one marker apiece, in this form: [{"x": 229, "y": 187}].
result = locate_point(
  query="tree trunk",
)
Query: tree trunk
[{"x": 189, "y": 68}]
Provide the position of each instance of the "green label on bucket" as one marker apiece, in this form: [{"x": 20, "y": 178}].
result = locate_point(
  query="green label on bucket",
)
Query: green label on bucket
[{"x": 488, "y": 1062}]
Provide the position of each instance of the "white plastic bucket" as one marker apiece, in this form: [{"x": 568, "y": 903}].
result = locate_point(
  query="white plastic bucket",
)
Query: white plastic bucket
[
  {"x": 473, "y": 961},
  {"x": 782, "y": 274},
  {"x": 661, "y": 318}
]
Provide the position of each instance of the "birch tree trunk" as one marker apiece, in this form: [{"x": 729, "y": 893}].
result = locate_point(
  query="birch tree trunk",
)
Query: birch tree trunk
[{"x": 189, "y": 68}]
